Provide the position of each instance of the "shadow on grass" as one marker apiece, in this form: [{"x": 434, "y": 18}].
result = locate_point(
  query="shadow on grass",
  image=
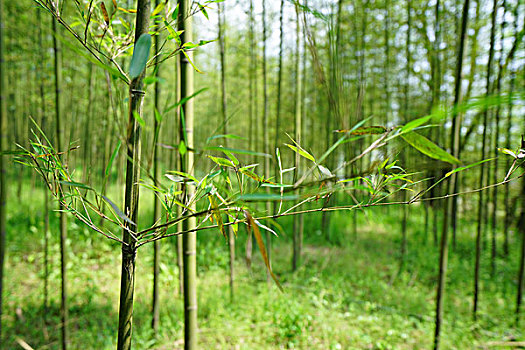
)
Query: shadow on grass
[{"x": 90, "y": 326}]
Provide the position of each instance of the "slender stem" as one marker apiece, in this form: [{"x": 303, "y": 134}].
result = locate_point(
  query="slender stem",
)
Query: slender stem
[
  {"x": 187, "y": 165},
  {"x": 481, "y": 203},
  {"x": 155, "y": 310},
  {"x": 3, "y": 146},
  {"x": 448, "y": 205},
  {"x": 62, "y": 214},
  {"x": 131, "y": 203}
]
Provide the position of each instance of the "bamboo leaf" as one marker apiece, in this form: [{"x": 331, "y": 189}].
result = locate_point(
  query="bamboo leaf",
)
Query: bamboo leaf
[
  {"x": 231, "y": 156},
  {"x": 467, "y": 166},
  {"x": 266, "y": 228},
  {"x": 325, "y": 171},
  {"x": 272, "y": 185},
  {"x": 508, "y": 151},
  {"x": 222, "y": 161},
  {"x": 118, "y": 211},
  {"x": 217, "y": 215},
  {"x": 236, "y": 151},
  {"x": 112, "y": 158},
  {"x": 251, "y": 174},
  {"x": 175, "y": 14},
  {"x": 257, "y": 234},
  {"x": 227, "y": 136},
  {"x": 415, "y": 123},
  {"x": 158, "y": 116},
  {"x": 127, "y": 10},
  {"x": 264, "y": 197},
  {"x": 204, "y": 12},
  {"x": 428, "y": 148},
  {"x": 158, "y": 9},
  {"x": 366, "y": 130},
  {"x": 76, "y": 184},
  {"x": 139, "y": 119},
  {"x": 185, "y": 175},
  {"x": 184, "y": 100},
  {"x": 190, "y": 61},
  {"x": 140, "y": 56},
  {"x": 104, "y": 13},
  {"x": 301, "y": 151},
  {"x": 342, "y": 140},
  {"x": 173, "y": 33}
]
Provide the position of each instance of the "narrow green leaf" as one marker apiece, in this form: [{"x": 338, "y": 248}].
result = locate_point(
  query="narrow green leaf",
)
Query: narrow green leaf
[
  {"x": 342, "y": 140},
  {"x": 118, "y": 211},
  {"x": 190, "y": 61},
  {"x": 227, "y": 136},
  {"x": 139, "y": 119},
  {"x": 428, "y": 148},
  {"x": 175, "y": 35},
  {"x": 76, "y": 184},
  {"x": 271, "y": 185},
  {"x": 175, "y": 14},
  {"x": 158, "y": 116},
  {"x": 184, "y": 100},
  {"x": 236, "y": 151},
  {"x": 415, "y": 123},
  {"x": 467, "y": 166},
  {"x": 264, "y": 197},
  {"x": 112, "y": 158},
  {"x": 232, "y": 157},
  {"x": 186, "y": 175},
  {"x": 204, "y": 12}
]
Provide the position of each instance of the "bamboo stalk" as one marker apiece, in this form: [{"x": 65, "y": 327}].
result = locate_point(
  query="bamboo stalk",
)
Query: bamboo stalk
[
  {"x": 189, "y": 240},
  {"x": 131, "y": 202}
]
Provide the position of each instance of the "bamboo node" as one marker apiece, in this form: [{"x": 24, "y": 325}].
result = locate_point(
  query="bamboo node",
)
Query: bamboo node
[
  {"x": 128, "y": 252},
  {"x": 138, "y": 92}
]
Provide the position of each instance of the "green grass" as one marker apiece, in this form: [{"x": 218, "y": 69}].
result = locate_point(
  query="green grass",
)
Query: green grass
[{"x": 348, "y": 294}]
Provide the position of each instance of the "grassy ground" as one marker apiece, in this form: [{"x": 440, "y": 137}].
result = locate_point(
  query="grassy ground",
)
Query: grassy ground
[{"x": 348, "y": 294}]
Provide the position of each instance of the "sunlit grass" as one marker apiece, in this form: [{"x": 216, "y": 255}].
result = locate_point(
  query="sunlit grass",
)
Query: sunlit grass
[{"x": 346, "y": 295}]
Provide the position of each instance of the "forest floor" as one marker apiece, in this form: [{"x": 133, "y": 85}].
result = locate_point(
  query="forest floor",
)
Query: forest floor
[{"x": 347, "y": 294}]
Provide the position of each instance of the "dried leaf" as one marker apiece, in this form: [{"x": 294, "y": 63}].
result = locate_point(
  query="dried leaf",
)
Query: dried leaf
[
  {"x": 104, "y": 13},
  {"x": 257, "y": 233}
]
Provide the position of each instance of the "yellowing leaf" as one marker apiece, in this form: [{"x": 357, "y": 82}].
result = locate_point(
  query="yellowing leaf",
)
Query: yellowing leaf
[
  {"x": 127, "y": 11},
  {"x": 222, "y": 161},
  {"x": 217, "y": 214},
  {"x": 508, "y": 151},
  {"x": 158, "y": 9},
  {"x": 366, "y": 130},
  {"x": 301, "y": 151}
]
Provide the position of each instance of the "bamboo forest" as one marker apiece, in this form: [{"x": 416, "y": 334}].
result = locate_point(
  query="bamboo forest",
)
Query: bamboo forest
[{"x": 262, "y": 174}]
